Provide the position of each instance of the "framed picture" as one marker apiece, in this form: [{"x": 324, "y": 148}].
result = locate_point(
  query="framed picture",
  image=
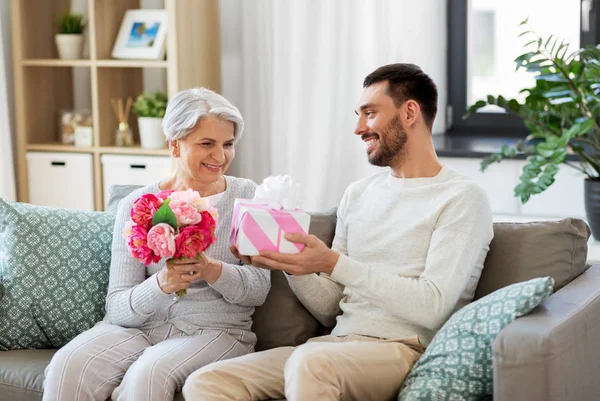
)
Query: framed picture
[{"x": 142, "y": 35}]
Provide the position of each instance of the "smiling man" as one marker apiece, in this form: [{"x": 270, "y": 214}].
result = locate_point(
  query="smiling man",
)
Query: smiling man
[{"x": 408, "y": 251}]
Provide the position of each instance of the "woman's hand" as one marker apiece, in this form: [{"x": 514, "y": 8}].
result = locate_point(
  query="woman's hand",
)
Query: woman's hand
[{"x": 179, "y": 274}]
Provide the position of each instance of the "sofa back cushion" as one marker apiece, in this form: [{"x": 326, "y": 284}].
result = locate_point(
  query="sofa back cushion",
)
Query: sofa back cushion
[
  {"x": 54, "y": 266},
  {"x": 522, "y": 251}
]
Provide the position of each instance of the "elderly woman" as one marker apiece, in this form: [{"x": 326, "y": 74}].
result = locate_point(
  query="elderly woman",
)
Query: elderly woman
[{"x": 151, "y": 340}]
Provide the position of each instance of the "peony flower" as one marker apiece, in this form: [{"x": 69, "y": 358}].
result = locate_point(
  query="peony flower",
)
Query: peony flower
[
  {"x": 138, "y": 246},
  {"x": 164, "y": 194},
  {"x": 128, "y": 229},
  {"x": 161, "y": 239},
  {"x": 208, "y": 223},
  {"x": 144, "y": 208},
  {"x": 188, "y": 196},
  {"x": 186, "y": 214},
  {"x": 193, "y": 240}
]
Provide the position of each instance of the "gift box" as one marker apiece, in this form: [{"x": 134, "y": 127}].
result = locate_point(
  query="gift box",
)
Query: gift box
[{"x": 257, "y": 226}]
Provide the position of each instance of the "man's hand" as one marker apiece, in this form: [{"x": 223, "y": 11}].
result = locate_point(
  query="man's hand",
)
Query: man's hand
[{"x": 316, "y": 257}]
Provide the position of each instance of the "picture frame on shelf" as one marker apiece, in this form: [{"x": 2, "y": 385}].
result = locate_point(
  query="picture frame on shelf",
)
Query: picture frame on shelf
[{"x": 142, "y": 35}]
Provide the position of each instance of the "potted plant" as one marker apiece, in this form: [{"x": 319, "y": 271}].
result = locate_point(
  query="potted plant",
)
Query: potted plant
[
  {"x": 150, "y": 109},
  {"x": 69, "y": 40},
  {"x": 561, "y": 111}
]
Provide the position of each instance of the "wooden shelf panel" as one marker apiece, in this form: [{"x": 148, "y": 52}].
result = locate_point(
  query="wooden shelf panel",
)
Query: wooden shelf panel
[
  {"x": 132, "y": 63},
  {"x": 57, "y": 147},
  {"x": 56, "y": 63},
  {"x": 135, "y": 150}
]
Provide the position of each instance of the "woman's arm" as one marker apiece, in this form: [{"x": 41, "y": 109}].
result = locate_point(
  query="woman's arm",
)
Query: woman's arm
[{"x": 243, "y": 285}]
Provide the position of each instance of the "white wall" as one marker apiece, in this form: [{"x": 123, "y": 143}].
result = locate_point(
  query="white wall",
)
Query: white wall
[{"x": 6, "y": 34}]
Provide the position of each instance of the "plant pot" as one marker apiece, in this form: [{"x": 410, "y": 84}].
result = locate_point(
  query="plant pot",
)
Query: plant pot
[
  {"x": 151, "y": 133},
  {"x": 592, "y": 205},
  {"x": 70, "y": 46}
]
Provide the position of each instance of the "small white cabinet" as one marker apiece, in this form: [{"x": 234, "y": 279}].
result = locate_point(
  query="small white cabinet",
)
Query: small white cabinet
[
  {"x": 61, "y": 179},
  {"x": 133, "y": 170}
]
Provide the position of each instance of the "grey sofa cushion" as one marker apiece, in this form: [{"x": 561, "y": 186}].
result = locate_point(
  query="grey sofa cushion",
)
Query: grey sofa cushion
[
  {"x": 22, "y": 374},
  {"x": 522, "y": 251},
  {"x": 118, "y": 192}
]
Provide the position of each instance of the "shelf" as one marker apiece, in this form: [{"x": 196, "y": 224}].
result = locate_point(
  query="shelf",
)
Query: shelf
[
  {"x": 56, "y": 63},
  {"x": 56, "y": 147},
  {"x": 131, "y": 63},
  {"x": 136, "y": 150}
]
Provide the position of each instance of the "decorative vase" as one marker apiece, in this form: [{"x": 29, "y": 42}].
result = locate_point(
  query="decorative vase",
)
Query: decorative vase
[
  {"x": 592, "y": 205},
  {"x": 151, "y": 134},
  {"x": 70, "y": 46}
]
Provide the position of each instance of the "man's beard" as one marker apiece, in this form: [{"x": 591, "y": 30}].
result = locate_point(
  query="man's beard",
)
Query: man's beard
[{"x": 392, "y": 141}]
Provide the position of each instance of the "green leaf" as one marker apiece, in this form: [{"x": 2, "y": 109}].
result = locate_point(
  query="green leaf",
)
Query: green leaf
[
  {"x": 164, "y": 214},
  {"x": 514, "y": 105},
  {"x": 557, "y": 93},
  {"x": 554, "y": 77},
  {"x": 508, "y": 151},
  {"x": 579, "y": 129},
  {"x": 489, "y": 160},
  {"x": 562, "y": 100}
]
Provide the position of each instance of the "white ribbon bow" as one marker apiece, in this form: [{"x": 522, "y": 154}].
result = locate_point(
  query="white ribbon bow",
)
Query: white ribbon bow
[{"x": 280, "y": 192}]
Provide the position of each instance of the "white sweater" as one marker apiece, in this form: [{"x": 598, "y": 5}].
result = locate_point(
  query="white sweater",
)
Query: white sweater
[{"x": 411, "y": 254}]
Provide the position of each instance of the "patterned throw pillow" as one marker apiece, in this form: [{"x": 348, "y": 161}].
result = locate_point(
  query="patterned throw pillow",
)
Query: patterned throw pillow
[
  {"x": 54, "y": 266},
  {"x": 457, "y": 365}
]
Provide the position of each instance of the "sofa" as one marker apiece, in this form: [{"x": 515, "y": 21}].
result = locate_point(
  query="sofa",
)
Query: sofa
[{"x": 550, "y": 354}]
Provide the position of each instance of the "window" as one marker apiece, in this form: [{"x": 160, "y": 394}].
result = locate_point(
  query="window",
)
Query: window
[{"x": 484, "y": 41}]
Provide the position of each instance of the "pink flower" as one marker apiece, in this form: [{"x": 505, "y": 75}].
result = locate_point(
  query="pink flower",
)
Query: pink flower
[
  {"x": 138, "y": 246},
  {"x": 144, "y": 208},
  {"x": 128, "y": 229},
  {"x": 188, "y": 196},
  {"x": 161, "y": 239},
  {"x": 192, "y": 240},
  {"x": 208, "y": 223},
  {"x": 186, "y": 214},
  {"x": 164, "y": 194}
]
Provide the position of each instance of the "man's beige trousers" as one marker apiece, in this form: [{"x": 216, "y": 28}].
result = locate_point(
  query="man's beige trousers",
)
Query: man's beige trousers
[{"x": 326, "y": 368}]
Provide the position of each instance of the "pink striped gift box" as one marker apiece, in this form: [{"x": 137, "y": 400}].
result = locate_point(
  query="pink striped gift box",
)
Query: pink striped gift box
[{"x": 259, "y": 227}]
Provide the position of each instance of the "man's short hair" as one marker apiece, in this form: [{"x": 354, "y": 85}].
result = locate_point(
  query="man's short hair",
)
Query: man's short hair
[{"x": 407, "y": 81}]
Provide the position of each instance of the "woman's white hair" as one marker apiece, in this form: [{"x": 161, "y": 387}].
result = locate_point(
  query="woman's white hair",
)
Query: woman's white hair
[{"x": 187, "y": 107}]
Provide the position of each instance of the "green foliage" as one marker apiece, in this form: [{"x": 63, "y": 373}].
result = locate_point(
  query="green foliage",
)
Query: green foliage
[
  {"x": 165, "y": 214},
  {"x": 70, "y": 23},
  {"x": 561, "y": 112},
  {"x": 150, "y": 105}
]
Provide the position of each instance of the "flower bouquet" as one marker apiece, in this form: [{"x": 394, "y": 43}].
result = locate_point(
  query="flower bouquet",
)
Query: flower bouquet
[{"x": 172, "y": 225}]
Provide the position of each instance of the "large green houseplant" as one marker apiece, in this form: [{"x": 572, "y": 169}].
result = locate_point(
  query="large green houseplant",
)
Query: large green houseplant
[{"x": 561, "y": 112}]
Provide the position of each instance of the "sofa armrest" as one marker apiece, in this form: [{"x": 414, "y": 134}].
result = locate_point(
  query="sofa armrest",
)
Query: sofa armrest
[{"x": 552, "y": 354}]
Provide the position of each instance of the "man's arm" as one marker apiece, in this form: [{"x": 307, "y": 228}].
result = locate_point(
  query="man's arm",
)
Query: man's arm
[
  {"x": 320, "y": 294},
  {"x": 458, "y": 246}
]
